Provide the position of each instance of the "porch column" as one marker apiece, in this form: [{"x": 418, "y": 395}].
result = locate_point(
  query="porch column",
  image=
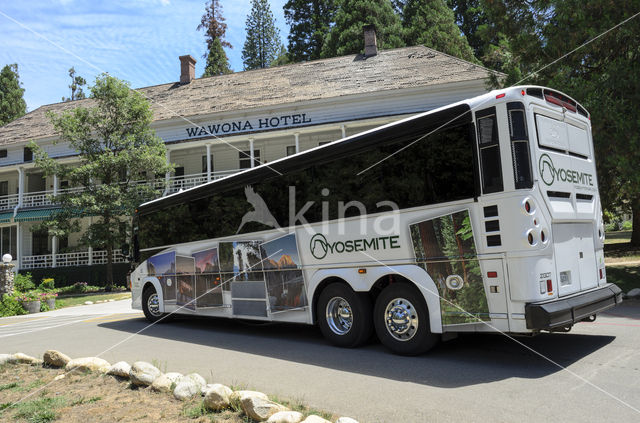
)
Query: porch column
[
  {"x": 167, "y": 175},
  {"x": 20, "y": 186},
  {"x": 344, "y": 131},
  {"x": 208, "y": 162},
  {"x": 251, "y": 151},
  {"x": 55, "y": 184},
  {"x": 297, "y": 136},
  {"x": 18, "y": 245},
  {"x": 90, "y": 250},
  {"x": 54, "y": 250}
]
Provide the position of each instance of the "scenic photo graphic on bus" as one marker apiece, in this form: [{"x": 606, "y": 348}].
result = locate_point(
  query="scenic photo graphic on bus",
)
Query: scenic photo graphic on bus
[
  {"x": 445, "y": 248},
  {"x": 163, "y": 267},
  {"x": 185, "y": 277},
  {"x": 208, "y": 289},
  {"x": 285, "y": 283}
]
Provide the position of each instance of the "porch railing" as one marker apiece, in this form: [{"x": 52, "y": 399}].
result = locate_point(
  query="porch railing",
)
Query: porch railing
[
  {"x": 176, "y": 183},
  {"x": 80, "y": 258}
]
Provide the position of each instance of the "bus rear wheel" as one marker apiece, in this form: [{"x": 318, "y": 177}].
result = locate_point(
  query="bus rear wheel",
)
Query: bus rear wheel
[
  {"x": 344, "y": 316},
  {"x": 151, "y": 304},
  {"x": 401, "y": 319}
]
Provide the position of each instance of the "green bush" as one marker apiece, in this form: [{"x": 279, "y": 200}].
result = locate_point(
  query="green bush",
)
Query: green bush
[
  {"x": 47, "y": 284},
  {"x": 10, "y": 306},
  {"x": 627, "y": 226},
  {"x": 23, "y": 283}
]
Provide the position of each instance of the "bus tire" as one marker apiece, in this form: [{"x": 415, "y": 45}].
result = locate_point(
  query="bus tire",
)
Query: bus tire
[
  {"x": 344, "y": 316},
  {"x": 401, "y": 319},
  {"x": 150, "y": 305}
]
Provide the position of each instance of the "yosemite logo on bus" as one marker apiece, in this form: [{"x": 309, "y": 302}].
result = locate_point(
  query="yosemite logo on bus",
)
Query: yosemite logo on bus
[
  {"x": 550, "y": 174},
  {"x": 320, "y": 247}
]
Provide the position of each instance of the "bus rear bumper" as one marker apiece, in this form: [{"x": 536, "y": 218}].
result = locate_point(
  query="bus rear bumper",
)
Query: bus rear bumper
[{"x": 565, "y": 312}]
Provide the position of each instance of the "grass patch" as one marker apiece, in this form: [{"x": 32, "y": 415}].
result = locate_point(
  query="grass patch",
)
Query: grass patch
[
  {"x": 9, "y": 386},
  {"x": 617, "y": 237},
  {"x": 80, "y": 299},
  {"x": 41, "y": 410},
  {"x": 84, "y": 400},
  {"x": 626, "y": 277},
  {"x": 301, "y": 407}
]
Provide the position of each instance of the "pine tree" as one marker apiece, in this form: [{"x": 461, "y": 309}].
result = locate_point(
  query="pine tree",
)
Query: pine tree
[
  {"x": 473, "y": 21},
  {"x": 263, "y": 37},
  {"x": 309, "y": 22},
  {"x": 12, "y": 105},
  {"x": 432, "y": 23},
  {"x": 77, "y": 82},
  {"x": 352, "y": 15},
  {"x": 212, "y": 23}
]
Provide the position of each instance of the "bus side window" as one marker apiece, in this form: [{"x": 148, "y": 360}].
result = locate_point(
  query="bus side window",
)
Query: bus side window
[
  {"x": 519, "y": 145},
  {"x": 490, "y": 164}
]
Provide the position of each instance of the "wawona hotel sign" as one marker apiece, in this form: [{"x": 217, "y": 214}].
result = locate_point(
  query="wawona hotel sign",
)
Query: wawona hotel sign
[{"x": 256, "y": 124}]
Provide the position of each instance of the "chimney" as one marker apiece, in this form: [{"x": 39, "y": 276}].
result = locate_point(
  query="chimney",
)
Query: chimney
[
  {"x": 187, "y": 69},
  {"x": 370, "y": 44}
]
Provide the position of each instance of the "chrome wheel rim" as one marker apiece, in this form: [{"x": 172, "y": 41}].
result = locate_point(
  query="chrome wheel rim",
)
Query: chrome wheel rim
[
  {"x": 401, "y": 319},
  {"x": 153, "y": 305},
  {"x": 339, "y": 315}
]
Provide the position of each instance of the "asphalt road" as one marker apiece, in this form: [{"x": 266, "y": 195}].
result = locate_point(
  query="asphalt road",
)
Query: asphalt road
[{"x": 475, "y": 378}]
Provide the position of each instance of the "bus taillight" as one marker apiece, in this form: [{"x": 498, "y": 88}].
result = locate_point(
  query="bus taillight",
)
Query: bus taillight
[{"x": 549, "y": 286}]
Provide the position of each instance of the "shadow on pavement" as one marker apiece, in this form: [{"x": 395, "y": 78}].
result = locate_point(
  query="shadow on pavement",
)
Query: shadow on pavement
[{"x": 468, "y": 360}]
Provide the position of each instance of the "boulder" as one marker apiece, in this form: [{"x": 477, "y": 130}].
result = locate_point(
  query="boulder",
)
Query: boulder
[
  {"x": 55, "y": 358},
  {"x": 259, "y": 408},
  {"x": 346, "y": 420},
  {"x": 235, "y": 399},
  {"x": 7, "y": 358},
  {"x": 59, "y": 377},
  {"x": 186, "y": 389},
  {"x": 120, "y": 369},
  {"x": 88, "y": 302},
  {"x": 88, "y": 364},
  {"x": 315, "y": 419},
  {"x": 286, "y": 417},
  {"x": 166, "y": 381},
  {"x": 216, "y": 397},
  {"x": 26, "y": 359},
  {"x": 634, "y": 293},
  {"x": 143, "y": 373},
  {"x": 199, "y": 380}
]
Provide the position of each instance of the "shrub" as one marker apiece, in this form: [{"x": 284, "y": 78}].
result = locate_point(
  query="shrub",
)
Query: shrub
[
  {"x": 627, "y": 226},
  {"x": 26, "y": 297},
  {"x": 10, "y": 306},
  {"x": 47, "y": 284},
  {"x": 23, "y": 283}
]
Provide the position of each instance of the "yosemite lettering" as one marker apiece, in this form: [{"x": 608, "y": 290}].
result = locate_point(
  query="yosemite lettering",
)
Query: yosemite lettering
[
  {"x": 248, "y": 125},
  {"x": 550, "y": 173},
  {"x": 320, "y": 247}
]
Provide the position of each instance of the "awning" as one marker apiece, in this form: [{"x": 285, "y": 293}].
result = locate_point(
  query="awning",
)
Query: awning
[
  {"x": 34, "y": 215},
  {"x": 6, "y": 217}
]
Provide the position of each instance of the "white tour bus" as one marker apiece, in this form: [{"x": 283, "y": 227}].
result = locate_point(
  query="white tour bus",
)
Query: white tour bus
[{"x": 476, "y": 217}]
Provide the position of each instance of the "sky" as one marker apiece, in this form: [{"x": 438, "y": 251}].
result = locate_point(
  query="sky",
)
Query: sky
[{"x": 138, "y": 41}]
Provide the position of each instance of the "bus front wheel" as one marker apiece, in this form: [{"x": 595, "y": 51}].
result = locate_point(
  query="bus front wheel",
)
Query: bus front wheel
[
  {"x": 401, "y": 319},
  {"x": 151, "y": 304},
  {"x": 344, "y": 316}
]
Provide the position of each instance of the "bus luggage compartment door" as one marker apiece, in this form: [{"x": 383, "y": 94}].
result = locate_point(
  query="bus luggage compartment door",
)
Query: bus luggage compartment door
[{"x": 575, "y": 257}]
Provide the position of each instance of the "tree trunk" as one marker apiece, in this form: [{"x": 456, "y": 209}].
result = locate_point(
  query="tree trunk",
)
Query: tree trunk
[
  {"x": 635, "y": 233},
  {"x": 110, "y": 264}
]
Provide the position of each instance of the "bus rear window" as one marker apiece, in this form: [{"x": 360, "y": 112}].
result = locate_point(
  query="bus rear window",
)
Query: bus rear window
[
  {"x": 490, "y": 164},
  {"x": 519, "y": 145}
]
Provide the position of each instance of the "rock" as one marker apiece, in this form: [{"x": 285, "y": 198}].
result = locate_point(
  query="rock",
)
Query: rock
[
  {"x": 236, "y": 398},
  {"x": 199, "y": 381},
  {"x": 216, "y": 396},
  {"x": 88, "y": 302},
  {"x": 259, "y": 408},
  {"x": 59, "y": 377},
  {"x": 346, "y": 420},
  {"x": 120, "y": 369},
  {"x": 26, "y": 359},
  {"x": 143, "y": 373},
  {"x": 634, "y": 293},
  {"x": 286, "y": 417},
  {"x": 88, "y": 364},
  {"x": 166, "y": 381},
  {"x": 315, "y": 419},
  {"x": 55, "y": 358},
  {"x": 112, "y": 300},
  {"x": 186, "y": 389},
  {"x": 7, "y": 358}
]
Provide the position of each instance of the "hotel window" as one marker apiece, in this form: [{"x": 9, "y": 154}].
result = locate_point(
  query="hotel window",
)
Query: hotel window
[
  {"x": 244, "y": 158},
  {"x": 204, "y": 164},
  {"x": 291, "y": 150},
  {"x": 4, "y": 188},
  {"x": 9, "y": 241},
  {"x": 3, "y": 153},
  {"x": 28, "y": 155}
]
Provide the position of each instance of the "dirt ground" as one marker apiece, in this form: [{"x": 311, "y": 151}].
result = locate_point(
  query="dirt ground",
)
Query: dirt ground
[{"x": 29, "y": 394}]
